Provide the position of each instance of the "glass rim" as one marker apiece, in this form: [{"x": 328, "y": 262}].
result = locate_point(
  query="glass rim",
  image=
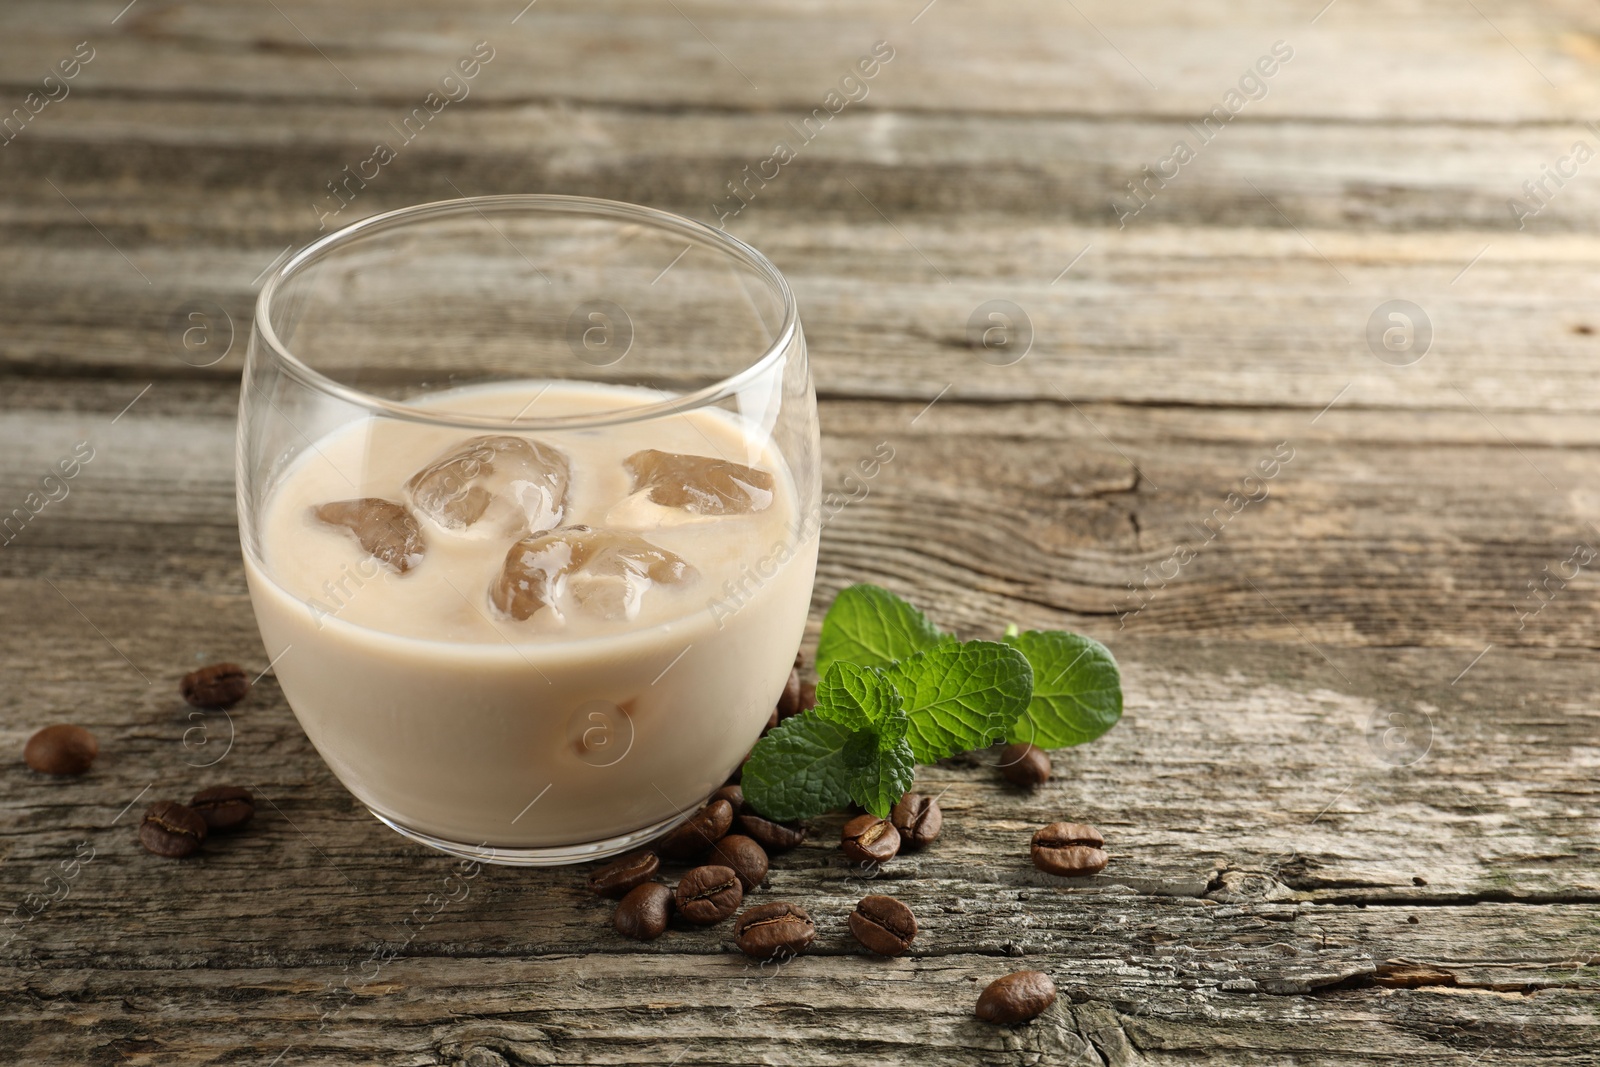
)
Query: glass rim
[{"x": 691, "y": 229}]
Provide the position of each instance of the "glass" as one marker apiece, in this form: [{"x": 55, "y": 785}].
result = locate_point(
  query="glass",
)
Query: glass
[{"x": 481, "y": 684}]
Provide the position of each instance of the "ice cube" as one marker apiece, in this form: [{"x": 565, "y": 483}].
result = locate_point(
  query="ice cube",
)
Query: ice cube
[
  {"x": 699, "y": 484},
  {"x": 603, "y": 573},
  {"x": 513, "y": 485},
  {"x": 385, "y": 529}
]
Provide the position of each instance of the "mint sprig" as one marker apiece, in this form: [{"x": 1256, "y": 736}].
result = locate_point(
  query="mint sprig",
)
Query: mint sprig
[
  {"x": 798, "y": 770},
  {"x": 870, "y": 626},
  {"x": 1077, "y": 689},
  {"x": 895, "y": 691},
  {"x": 961, "y": 695}
]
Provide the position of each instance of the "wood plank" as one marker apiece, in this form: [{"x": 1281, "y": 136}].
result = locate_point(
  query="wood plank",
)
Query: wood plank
[
  {"x": 1235, "y": 914},
  {"x": 1031, "y": 513},
  {"x": 655, "y": 1009},
  {"x": 1146, "y": 315},
  {"x": 1425, "y": 60}
]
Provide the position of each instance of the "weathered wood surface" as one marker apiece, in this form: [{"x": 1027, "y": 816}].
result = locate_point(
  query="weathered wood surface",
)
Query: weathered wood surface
[{"x": 1285, "y": 889}]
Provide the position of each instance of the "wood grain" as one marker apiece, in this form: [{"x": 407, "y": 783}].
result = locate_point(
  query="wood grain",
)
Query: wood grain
[{"x": 1351, "y": 805}]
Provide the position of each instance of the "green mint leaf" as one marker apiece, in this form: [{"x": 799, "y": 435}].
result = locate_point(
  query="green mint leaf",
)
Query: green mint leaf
[
  {"x": 871, "y": 627},
  {"x": 798, "y": 770},
  {"x": 860, "y": 698},
  {"x": 1077, "y": 689},
  {"x": 959, "y": 697},
  {"x": 881, "y": 770}
]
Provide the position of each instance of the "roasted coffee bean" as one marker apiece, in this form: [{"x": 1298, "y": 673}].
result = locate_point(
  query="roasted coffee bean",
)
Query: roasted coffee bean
[
  {"x": 733, "y": 794},
  {"x": 224, "y": 807},
  {"x": 772, "y": 722},
  {"x": 883, "y": 924},
  {"x": 776, "y": 931},
  {"x": 1017, "y": 997},
  {"x": 61, "y": 749},
  {"x": 620, "y": 877},
  {"x": 808, "y": 695},
  {"x": 172, "y": 830},
  {"x": 1069, "y": 849},
  {"x": 643, "y": 912},
  {"x": 772, "y": 836},
  {"x": 221, "y": 685},
  {"x": 918, "y": 819},
  {"x": 1023, "y": 764},
  {"x": 748, "y": 859},
  {"x": 708, "y": 895},
  {"x": 690, "y": 839},
  {"x": 869, "y": 839},
  {"x": 789, "y": 699}
]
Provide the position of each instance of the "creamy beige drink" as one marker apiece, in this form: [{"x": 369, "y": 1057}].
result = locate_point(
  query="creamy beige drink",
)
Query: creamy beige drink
[{"x": 533, "y": 640}]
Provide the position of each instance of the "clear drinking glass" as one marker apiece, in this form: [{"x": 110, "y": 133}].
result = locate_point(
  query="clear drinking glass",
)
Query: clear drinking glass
[{"x": 514, "y": 620}]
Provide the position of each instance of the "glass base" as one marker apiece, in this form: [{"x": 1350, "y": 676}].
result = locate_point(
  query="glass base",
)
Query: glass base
[{"x": 544, "y": 856}]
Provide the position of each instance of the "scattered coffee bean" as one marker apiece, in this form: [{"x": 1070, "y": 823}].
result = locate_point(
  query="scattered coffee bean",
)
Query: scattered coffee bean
[
  {"x": 772, "y": 722},
  {"x": 708, "y": 895},
  {"x": 1023, "y": 764},
  {"x": 1070, "y": 849},
  {"x": 918, "y": 819},
  {"x": 733, "y": 794},
  {"x": 643, "y": 912},
  {"x": 691, "y": 838},
  {"x": 772, "y": 836},
  {"x": 61, "y": 749},
  {"x": 883, "y": 924},
  {"x": 224, "y": 807},
  {"x": 789, "y": 699},
  {"x": 869, "y": 839},
  {"x": 1017, "y": 997},
  {"x": 221, "y": 685},
  {"x": 775, "y": 931},
  {"x": 747, "y": 859},
  {"x": 808, "y": 695},
  {"x": 172, "y": 830},
  {"x": 622, "y": 876}
]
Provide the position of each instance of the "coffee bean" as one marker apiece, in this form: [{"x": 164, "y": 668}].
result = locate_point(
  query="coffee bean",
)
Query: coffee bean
[
  {"x": 869, "y": 839},
  {"x": 224, "y": 807},
  {"x": 918, "y": 819},
  {"x": 883, "y": 924},
  {"x": 620, "y": 877},
  {"x": 772, "y": 836},
  {"x": 708, "y": 895},
  {"x": 772, "y": 722},
  {"x": 1069, "y": 849},
  {"x": 172, "y": 830},
  {"x": 808, "y": 695},
  {"x": 776, "y": 931},
  {"x": 643, "y": 912},
  {"x": 733, "y": 794},
  {"x": 1023, "y": 764},
  {"x": 1017, "y": 997},
  {"x": 747, "y": 859},
  {"x": 221, "y": 685},
  {"x": 61, "y": 749},
  {"x": 691, "y": 838},
  {"x": 789, "y": 699}
]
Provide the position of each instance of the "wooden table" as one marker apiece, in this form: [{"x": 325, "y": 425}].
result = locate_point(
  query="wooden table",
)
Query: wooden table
[{"x": 1353, "y": 799}]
